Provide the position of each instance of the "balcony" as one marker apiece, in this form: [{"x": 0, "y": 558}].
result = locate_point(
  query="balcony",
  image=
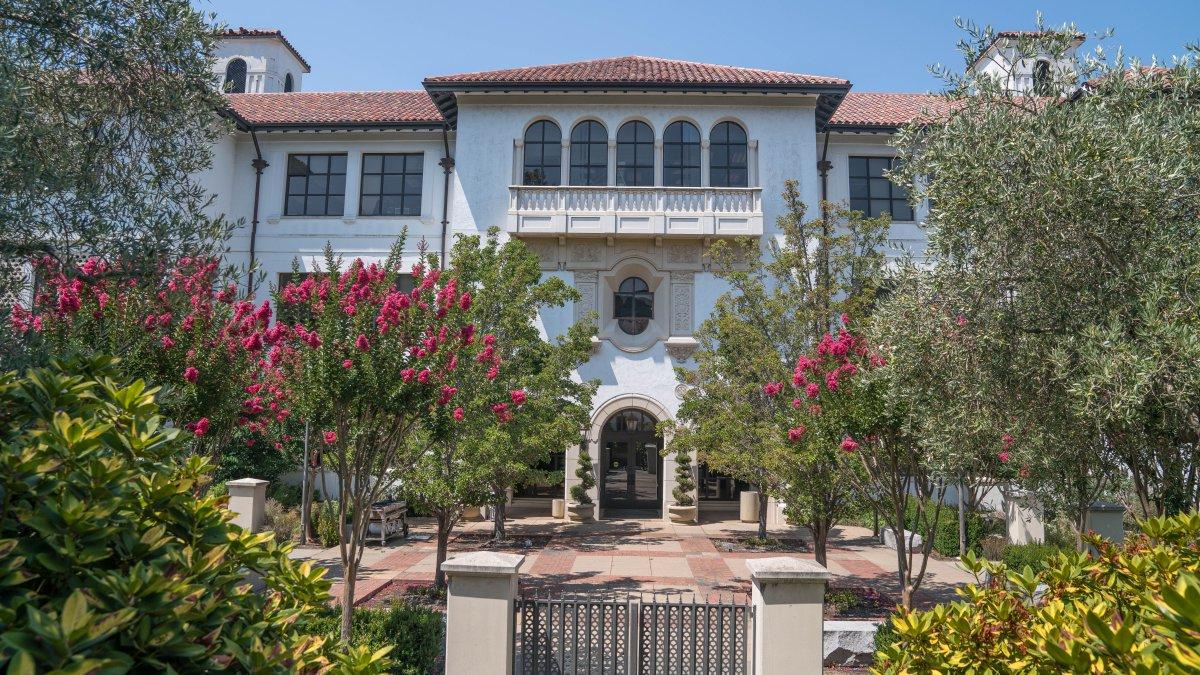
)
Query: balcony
[{"x": 535, "y": 210}]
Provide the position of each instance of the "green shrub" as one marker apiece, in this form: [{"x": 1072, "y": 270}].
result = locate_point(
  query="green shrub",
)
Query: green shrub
[
  {"x": 885, "y": 636},
  {"x": 683, "y": 479},
  {"x": 992, "y": 546},
  {"x": 1017, "y": 556},
  {"x": 1134, "y": 608},
  {"x": 284, "y": 522},
  {"x": 945, "y": 537},
  {"x": 587, "y": 479},
  {"x": 286, "y": 494},
  {"x": 329, "y": 530},
  {"x": 109, "y": 562},
  {"x": 415, "y": 634}
]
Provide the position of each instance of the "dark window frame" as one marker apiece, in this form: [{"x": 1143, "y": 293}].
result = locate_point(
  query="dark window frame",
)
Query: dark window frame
[
  {"x": 876, "y": 195},
  {"x": 633, "y": 298},
  {"x": 589, "y": 154},
  {"x": 719, "y": 169},
  {"x": 328, "y": 194},
  {"x": 530, "y": 171},
  {"x": 682, "y": 166},
  {"x": 635, "y": 168},
  {"x": 406, "y": 196},
  {"x": 242, "y": 78}
]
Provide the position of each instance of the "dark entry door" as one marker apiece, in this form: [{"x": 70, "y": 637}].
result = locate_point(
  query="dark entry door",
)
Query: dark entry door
[{"x": 632, "y": 464}]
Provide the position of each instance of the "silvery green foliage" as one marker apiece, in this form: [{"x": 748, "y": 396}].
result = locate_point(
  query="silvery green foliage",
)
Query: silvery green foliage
[{"x": 1065, "y": 228}]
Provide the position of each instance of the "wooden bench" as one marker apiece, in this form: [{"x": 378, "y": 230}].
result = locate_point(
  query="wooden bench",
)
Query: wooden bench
[{"x": 390, "y": 516}]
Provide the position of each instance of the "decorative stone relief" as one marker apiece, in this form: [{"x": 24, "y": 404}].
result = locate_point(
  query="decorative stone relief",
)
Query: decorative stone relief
[
  {"x": 585, "y": 283},
  {"x": 683, "y": 253},
  {"x": 586, "y": 253},
  {"x": 547, "y": 253},
  {"x": 681, "y": 349},
  {"x": 682, "y": 295}
]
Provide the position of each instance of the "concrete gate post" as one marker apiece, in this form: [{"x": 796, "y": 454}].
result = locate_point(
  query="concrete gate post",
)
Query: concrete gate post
[
  {"x": 480, "y": 617},
  {"x": 789, "y": 598},
  {"x": 248, "y": 502}
]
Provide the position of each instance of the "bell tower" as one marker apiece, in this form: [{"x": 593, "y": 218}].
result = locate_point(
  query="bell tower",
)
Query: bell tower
[
  {"x": 257, "y": 61},
  {"x": 1024, "y": 65}
]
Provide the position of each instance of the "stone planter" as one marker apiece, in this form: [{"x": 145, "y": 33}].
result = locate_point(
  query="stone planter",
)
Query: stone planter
[
  {"x": 749, "y": 506},
  {"x": 558, "y": 509},
  {"x": 682, "y": 514},
  {"x": 581, "y": 513},
  {"x": 472, "y": 513}
]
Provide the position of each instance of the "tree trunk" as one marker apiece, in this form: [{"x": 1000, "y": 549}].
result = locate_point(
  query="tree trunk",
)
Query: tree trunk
[
  {"x": 311, "y": 484},
  {"x": 962, "y": 521},
  {"x": 349, "y": 576},
  {"x": 820, "y": 532},
  {"x": 762, "y": 513},
  {"x": 498, "y": 516},
  {"x": 443, "y": 539}
]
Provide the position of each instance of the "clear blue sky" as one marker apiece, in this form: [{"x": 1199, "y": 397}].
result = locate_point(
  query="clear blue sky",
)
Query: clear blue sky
[{"x": 879, "y": 46}]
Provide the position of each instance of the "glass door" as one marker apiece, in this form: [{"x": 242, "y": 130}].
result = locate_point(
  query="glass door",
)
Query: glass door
[{"x": 631, "y": 462}]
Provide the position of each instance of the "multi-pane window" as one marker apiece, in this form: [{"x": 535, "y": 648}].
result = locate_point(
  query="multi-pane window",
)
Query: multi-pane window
[
  {"x": 872, "y": 193},
  {"x": 728, "y": 156},
  {"x": 543, "y": 154},
  {"x": 681, "y": 155},
  {"x": 235, "y": 76},
  {"x": 635, "y": 154},
  {"x": 633, "y": 305},
  {"x": 316, "y": 185},
  {"x": 589, "y": 154},
  {"x": 391, "y": 185}
]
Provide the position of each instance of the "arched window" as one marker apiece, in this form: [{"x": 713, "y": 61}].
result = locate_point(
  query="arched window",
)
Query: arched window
[
  {"x": 1041, "y": 77},
  {"x": 633, "y": 305},
  {"x": 543, "y": 154},
  {"x": 289, "y": 84},
  {"x": 727, "y": 160},
  {"x": 635, "y": 154},
  {"x": 235, "y": 76},
  {"x": 589, "y": 154},
  {"x": 681, "y": 155}
]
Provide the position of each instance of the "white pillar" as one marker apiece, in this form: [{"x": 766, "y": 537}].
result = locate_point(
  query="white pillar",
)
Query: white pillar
[
  {"x": 1106, "y": 520},
  {"x": 564, "y": 171},
  {"x": 479, "y": 612},
  {"x": 658, "y": 162},
  {"x": 248, "y": 502},
  {"x": 611, "y": 179},
  {"x": 789, "y": 598},
  {"x": 704, "y": 163}
]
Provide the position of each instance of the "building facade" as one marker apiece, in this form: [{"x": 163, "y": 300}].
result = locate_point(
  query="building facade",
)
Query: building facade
[{"x": 619, "y": 173}]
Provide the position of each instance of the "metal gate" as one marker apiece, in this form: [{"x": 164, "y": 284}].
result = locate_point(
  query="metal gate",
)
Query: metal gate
[{"x": 632, "y": 635}]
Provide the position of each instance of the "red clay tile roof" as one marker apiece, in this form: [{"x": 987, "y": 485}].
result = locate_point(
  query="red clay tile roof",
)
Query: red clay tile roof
[
  {"x": 335, "y": 108},
  {"x": 638, "y": 70},
  {"x": 241, "y": 32},
  {"x": 886, "y": 111}
]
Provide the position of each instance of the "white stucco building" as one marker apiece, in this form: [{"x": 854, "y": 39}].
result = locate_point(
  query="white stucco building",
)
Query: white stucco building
[{"x": 620, "y": 173}]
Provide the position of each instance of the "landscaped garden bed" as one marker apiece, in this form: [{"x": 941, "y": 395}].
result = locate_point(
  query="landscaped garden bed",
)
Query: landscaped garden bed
[{"x": 756, "y": 545}]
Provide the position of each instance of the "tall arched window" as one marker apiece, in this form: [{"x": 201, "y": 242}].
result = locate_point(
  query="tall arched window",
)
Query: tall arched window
[
  {"x": 681, "y": 155},
  {"x": 633, "y": 305},
  {"x": 635, "y": 154},
  {"x": 289, "y": 84},
  {"x": 543, "y": 154},
  {"x": 235, "y": 76},
  {"x": 1041, "y": 77},
  {"x": 727, "y": 159},
  {"x": 589, "y": 154}
]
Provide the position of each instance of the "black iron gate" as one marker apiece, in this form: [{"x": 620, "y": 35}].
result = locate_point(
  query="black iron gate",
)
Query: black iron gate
[{"x": 632, "y": 635}]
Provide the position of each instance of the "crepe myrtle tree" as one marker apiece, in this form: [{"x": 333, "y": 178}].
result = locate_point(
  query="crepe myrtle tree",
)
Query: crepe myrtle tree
[
  {"x": 1085, "y": 269},
  {"x": 108, "y": 119},
  {"x": 508, "y": 296},
  {"x": 779, "y": 305},
  {"x": 844, "y": 406},
  {"x": 369, "y": 363},
  {"x": 183, "y": 327}
]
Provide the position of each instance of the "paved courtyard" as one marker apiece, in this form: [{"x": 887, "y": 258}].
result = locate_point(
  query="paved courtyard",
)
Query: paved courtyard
[{"x": 631, "y": 555}]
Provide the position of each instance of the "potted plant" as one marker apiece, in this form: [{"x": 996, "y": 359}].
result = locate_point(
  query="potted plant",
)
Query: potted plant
[
  {"x": 581, "y": 509},
  {"x": 684, "y": 508}
]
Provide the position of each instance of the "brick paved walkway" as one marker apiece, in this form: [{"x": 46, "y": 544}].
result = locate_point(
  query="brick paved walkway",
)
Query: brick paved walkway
[{"x": 632, "y": 555}]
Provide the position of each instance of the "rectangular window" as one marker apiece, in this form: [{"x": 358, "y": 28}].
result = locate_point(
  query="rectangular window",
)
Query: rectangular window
[
  {"x": 391, "y": 185},
  {"x": 872, "y": 193},
  {"x": 316, "y": 185}
]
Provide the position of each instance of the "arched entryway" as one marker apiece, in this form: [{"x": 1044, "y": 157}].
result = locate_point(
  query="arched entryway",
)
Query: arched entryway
[{"x": 631, "y": 463}]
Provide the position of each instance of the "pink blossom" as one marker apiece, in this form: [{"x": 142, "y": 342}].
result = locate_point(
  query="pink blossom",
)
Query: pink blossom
[
  {"x": 1007, "y": 440},
  {"x": 459, "y": 414},
  {"x": 1003, "y": 456},
  {"x": 347, "y": 363},
  {"x": 362, "y": 343},
  {"x": 796, "y": 403},
  {"x": 489, "y": 340},
  {"x": 492, "y": 373},
  {"x": 330, "y": 437},
  {"x": 407, "y": 374},
  {"x": 464, "y": 302},
  {"x": 518, "y": 396},
  {"x": 191, "y": 374},
  {"x": 795, "y": 433},
  {"x": 252, "y": 343},
  {"x": 845, "y": 318},
  {"x": 772, "y": 389},
  {"x": 499, "y": 408},
  {"x": 167, "y": 342},
  {"x": 961, "y": 320},
  {"x": 448, "y": 393},
  {"x": 201, "y": 426},
  {"x": 849, "y": 444},
  {"x": 423, "y": 376},
  {"x": 812, "y": 390},
  {"x": 831, "y": 381}
]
